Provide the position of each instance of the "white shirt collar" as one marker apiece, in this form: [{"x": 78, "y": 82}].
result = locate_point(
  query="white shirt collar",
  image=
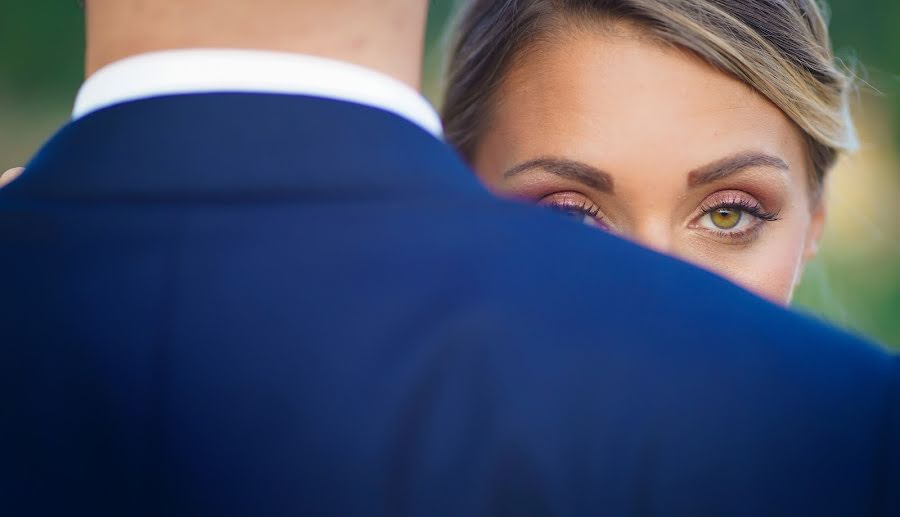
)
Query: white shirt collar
[{"x": 177, "y": 72}]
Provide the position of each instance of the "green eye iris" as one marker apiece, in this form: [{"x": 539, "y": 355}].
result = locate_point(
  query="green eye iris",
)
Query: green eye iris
[{"x": 726, "y": 218}]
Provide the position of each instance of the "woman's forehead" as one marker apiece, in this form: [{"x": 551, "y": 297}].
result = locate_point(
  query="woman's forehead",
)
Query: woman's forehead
[{"x": 623, "y": 94}]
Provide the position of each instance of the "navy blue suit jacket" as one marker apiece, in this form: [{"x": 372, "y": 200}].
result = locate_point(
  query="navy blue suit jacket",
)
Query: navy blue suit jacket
[{"x": 265, "y": 305}]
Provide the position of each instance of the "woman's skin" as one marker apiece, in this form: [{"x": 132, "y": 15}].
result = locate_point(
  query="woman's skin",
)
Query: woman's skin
[{"x": 650, "y": 143}]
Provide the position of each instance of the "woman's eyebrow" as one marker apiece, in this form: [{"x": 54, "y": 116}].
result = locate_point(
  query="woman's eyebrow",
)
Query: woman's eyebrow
[
  {"x": 583, "y": 173},
  {"x": 727, "y": 166}
]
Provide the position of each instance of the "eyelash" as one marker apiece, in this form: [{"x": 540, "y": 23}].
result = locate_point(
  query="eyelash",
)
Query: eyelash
[
  {"x": 586, "y": 208},
  {"x": 748, "y": 207},
  {"x": 753, "y": 209}
]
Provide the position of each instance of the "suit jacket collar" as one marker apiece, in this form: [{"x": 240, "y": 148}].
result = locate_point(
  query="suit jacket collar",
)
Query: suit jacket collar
[{"x": 189, "y": 71}]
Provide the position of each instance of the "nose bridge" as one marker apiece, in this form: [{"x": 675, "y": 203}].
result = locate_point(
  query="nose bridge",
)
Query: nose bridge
[
  {"x": 651, "y": 199},
  {"x": 654, "y": 232}
]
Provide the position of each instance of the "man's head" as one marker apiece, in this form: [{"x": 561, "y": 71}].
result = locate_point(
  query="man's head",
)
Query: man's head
[{"x": 386, "y": 35}]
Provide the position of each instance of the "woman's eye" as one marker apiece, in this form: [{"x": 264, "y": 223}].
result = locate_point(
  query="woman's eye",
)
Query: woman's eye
[
  {"x": 575, "y": 207},
  {"x": 727, "y": 219},
  {"x": 583, "y": 218},
  {"x": 579, "y": 214},
  {"x": 734, "y": 215}
]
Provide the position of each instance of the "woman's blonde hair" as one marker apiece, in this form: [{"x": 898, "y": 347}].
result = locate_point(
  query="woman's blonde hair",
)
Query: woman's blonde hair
[{"x": 780, "y": 48}]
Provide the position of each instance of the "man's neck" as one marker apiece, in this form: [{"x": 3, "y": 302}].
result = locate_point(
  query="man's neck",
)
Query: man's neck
[{"x": 384, "y": 35}]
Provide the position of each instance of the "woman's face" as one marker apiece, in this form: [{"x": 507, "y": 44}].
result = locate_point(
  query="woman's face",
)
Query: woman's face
[{"x": 650, "y": 143}]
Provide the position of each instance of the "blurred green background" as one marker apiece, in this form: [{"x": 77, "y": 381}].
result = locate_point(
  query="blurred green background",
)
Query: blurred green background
[{"x": 854, "y": 283}]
